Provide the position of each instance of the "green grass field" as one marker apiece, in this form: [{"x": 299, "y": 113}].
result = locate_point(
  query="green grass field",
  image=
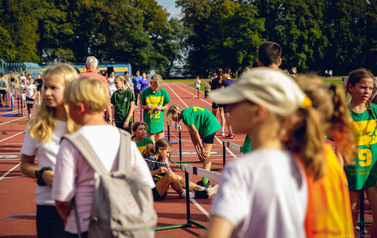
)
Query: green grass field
[{"x": 335, "y": 80}]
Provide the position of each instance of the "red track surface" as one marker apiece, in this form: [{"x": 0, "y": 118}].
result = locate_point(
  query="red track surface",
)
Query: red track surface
[
  {"x": 17, "y": 192},
  {"x": 17, "y": 197}
]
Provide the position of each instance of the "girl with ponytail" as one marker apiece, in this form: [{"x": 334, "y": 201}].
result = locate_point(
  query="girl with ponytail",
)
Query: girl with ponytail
[
  {"x": 163, "y": 178},
  {"x": 363, "y": 173},
  {"x": 329, "y": 210},
  {"x": 264, "y": 193}
]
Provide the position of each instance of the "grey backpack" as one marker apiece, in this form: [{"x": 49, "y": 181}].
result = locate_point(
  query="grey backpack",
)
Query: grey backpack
[{"x": 122, "y": 203}]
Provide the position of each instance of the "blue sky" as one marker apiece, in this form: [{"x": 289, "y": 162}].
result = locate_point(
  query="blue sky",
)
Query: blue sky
[{"x": 169, "y": 5}]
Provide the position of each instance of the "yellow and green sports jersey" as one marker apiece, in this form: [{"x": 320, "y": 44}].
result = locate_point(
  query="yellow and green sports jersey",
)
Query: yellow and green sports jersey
[
  {"x": 153, "y": 118},
  {"x": 363, "y": 174},
  {"x": 205, "y": 122},
  {"x": 142, "y": 145}
]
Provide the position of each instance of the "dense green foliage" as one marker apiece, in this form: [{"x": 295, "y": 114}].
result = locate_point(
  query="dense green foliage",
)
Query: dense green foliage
[{"x": 314, "y": 35}]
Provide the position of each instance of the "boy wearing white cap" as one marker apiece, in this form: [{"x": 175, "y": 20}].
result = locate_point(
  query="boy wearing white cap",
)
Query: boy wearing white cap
[{"x": 269, "y": 183}]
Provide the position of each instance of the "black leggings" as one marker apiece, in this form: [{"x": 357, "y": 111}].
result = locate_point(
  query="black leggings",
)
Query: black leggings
[
  {"x": 49, "y": 223},
  {"x": 29, "y": 104}
]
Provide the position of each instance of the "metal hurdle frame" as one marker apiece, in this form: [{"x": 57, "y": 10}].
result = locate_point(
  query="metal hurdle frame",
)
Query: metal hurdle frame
[
  {"x": 228, "y": 144},
  {"x": 200, "y": 172},
  {"x": 20, "y": 109},
  {"x": 8, "y": 108}
]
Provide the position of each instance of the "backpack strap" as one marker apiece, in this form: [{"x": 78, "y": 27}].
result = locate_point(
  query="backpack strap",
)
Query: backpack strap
[
  {"x": 87, "y": 152},
  {"x": 125, "y": 151}
]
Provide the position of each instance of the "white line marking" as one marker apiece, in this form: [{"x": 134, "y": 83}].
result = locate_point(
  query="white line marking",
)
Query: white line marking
[
  {"x": 15, "y": 177},
  {"x": 200, "y": 207},
  {"x": 4, "y": 175},
  {"x": 19, "y": 133},
  {"x": 12, "y": 120},
  {"x": 230, "y": 152}
]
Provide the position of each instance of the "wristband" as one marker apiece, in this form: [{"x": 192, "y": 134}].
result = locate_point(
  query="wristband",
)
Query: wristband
[{"x": 38, "y": 175}]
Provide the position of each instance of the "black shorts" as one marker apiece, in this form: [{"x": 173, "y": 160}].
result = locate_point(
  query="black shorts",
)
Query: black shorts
[
  {"x": 120, "y": 125},
  {"x": 157, "y": 196},
  {"x": 209, "y": 139},
  {"x": 3, "y": 91},
  {"x": 215, "y": 105}
]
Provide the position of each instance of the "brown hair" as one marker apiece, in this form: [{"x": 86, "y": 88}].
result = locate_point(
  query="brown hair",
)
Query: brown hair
[
  {"x": 162, "y": 144},
  {"x": 330, "y": 102}
]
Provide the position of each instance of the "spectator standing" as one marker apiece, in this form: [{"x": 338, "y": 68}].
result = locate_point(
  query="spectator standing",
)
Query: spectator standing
[
  {"x": 91, "y": 66},
  {"x": 3, "y": 89},
  {"x": 154, "y": 100},
  {"x": 144, "y": 82},
  {"x": 110, "y": 81},
  {"x": 42, "y": 140},
  {"x": 74, "y": 177},
  {"x": 137, "y": 87}
]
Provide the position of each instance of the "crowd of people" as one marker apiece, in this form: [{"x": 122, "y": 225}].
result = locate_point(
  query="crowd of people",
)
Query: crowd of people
[{"x": 308, "y": 152}]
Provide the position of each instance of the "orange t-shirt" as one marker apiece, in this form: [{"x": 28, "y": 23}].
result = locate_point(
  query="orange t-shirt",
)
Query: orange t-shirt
[
  {"x": 97, "y": 76},
  {"x": 329, "y": 207}
]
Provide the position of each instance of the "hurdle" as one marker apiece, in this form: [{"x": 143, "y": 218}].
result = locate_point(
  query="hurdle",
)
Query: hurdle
[
  {"x": 189, "y": 169},
  {"x": 9, "y": 107},
  {"x": 20, "y": 111},
  {"x": 228, "y": 144}
]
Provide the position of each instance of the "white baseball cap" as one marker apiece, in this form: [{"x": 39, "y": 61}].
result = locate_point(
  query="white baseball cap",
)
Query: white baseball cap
[{"x": 274, "y": 89}]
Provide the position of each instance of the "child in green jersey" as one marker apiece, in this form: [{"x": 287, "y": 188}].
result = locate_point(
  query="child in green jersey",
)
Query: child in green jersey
[
  {"x": 363, "y": 174},
  {"x": 154, "y": 101},
  {"x": 123, "y": 101},
  {"x": 202, "y": 125},
  {"x": 143, "y": 142}
]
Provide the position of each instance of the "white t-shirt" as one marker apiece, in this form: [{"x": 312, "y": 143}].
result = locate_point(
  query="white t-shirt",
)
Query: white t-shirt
[
  {"x": 46, "y": 154},
  {"x": 74, "y": 177},
  {"x": 111, "y": 85},
  {"x": 30, "y": 90},
  {"x": 263, "y": 194}
]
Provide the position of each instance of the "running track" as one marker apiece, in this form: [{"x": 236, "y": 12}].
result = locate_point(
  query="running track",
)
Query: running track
[{"x": 17, "y": 199}]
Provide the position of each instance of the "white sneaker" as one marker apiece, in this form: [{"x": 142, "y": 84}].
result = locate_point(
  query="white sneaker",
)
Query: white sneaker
[
  {"x": 135, "y": 106},
  {"x": 183, "y": 194},
  {"x": 212, "y": 190},
  {"x": 222, "y": 133}
]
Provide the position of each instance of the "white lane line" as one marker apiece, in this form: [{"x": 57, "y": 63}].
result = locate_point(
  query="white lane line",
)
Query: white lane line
[
  {"x": 4, "y": 175},
  {"x": 227, "y": 149},
  {"x": 189, "y": 92},
  {"x": 19, "y": 133},
  {"x": 12, "y": 120},
  {"x": 200, "y": 207},
  {"x": 21, "y": 176}
]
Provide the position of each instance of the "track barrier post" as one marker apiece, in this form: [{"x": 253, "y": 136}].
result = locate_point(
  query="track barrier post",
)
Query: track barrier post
[{"x": 20, "y": 111}]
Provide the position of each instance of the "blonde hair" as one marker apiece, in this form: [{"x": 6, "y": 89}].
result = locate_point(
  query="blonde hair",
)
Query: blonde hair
[
  {"x": 306, "y": 139},
  {"x": 89, "y": 91},
  {"x": 330, "y": 102},
  {"x": 44, "y": 124},
  {"x": 156, "y": 79},
  {"x": 122, "y": 79},
  {"x": 173, "y": 109}
]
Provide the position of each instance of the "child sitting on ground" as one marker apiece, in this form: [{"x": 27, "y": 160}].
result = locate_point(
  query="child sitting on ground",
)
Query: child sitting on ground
[{"x": 164, "y": 179}]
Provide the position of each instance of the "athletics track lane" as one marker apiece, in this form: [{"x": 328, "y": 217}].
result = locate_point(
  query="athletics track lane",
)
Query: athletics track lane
[{"x": 17, "y": 192}]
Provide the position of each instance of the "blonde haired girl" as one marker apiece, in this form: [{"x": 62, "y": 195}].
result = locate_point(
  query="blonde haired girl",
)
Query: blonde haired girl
[
  {"x": 123, "y": 101},
  {"x": 154, "y": 100},
  {"x": 42, "y": 140}
]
